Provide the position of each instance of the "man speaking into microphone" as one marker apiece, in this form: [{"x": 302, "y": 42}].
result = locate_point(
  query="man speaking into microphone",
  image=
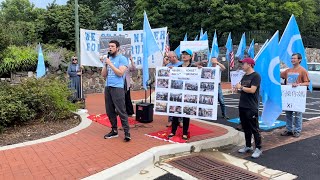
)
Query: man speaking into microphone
[{"x": 114, "y": 68}]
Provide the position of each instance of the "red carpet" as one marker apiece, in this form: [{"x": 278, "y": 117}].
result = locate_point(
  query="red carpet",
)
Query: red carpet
[
  {"x": 104, "y": 120},
  {"x": 193, "y": 131}
]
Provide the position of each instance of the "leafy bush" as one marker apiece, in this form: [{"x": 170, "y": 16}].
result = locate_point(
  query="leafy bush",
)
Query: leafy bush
[
  {"x": 18, "y": 59},
  {"x": 46, "y": 98}
]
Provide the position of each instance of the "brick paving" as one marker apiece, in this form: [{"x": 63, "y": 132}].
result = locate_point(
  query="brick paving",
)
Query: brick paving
[{"x": 86, "y": 152}]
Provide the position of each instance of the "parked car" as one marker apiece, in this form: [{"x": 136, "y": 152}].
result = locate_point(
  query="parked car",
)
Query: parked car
[{"x": 314, "y": 74}]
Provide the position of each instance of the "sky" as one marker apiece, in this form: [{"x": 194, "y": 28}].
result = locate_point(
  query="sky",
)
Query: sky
[{"x": 44, "y": 3}]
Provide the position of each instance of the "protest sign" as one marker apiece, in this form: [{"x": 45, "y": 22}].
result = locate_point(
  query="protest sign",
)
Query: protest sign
[
  {"x": 187, "y": 92},
  {"x": 200, "y": 49},
  {"x": 90, "y": 46},
  {"x": 294, "y": 98}
]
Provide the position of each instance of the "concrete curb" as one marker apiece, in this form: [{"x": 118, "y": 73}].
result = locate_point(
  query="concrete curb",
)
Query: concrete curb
[
  {"x": 84, "y": 124},
  {"x": 136, "y": 164}
]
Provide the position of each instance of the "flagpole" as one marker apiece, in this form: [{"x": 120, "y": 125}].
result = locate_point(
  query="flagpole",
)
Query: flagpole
[
  {"x": 228, "y": 70},
  {"x": 77, "y": 34}
]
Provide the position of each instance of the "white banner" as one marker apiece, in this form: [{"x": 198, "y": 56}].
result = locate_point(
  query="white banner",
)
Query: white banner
[
  {"x": 90, "y": 47},
  {"x": 187, "y": 92},
  {"x": 236, "y": 77},
  {"x": 294, "y": 98},
  {"x": 199, "y": 48}
]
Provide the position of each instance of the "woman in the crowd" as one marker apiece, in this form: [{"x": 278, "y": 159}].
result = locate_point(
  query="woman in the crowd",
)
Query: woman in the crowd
[
  {"x": 187, "y": 62},
  {"x": 75, "y": 72}
]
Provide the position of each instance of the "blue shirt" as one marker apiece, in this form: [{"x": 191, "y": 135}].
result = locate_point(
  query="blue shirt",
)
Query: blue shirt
[
  {"x": 175, "y": 65},
  {"x": 114, "y": 80}
]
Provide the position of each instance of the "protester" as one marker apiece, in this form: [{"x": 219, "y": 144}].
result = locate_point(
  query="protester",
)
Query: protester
[
  {"x": 214, "y": 62},
  {"x": 249, "y": 88},
  {"x": 75, "y": 72},
  {"x": 127, "y": 86},
  {"x": 174, "y": 62},
  {"x": 296, "y": 76},
  {"x": 113, "y": 70},
  {"x": 187, "y": 62}
]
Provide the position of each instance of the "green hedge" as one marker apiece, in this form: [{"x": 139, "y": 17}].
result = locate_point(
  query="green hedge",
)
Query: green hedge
[{"x": 46, "y": 98}]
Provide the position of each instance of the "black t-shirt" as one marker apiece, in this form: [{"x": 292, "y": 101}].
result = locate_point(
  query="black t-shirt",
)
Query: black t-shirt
[
  {"x": 249, "y": 100},
  {"x": 190, "y": 65}
]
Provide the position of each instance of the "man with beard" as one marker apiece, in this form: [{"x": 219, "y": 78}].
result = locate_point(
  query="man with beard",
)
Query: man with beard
[{"x": 114, "y": 70}]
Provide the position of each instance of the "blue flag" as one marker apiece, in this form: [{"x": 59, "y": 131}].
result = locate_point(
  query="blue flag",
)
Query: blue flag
[
  {"x": 41, "y": 69},
  {"x": 150, "y": 46},
  {"x": 268, "y": 66},
  {"x": 177, "y": 50},
  {"x": 185, "y": 37},
  {"x": 242, "y": 47},
  {"x": 214, "y": 49},
  {"x": 251, "y": 49},
  {"x": 290, "y": 43},
  {"x": 196, "y": 39},
  {"x": 204, "y": 37},
  {"x": 229, "y": 47}
]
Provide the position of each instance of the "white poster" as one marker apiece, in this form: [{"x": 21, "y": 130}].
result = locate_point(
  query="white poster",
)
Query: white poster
[
  {"x": 236, "y": 77},
  {"x": 200, "y": 49},
  {"x": 294, "y": 98},
  {"x": 187, "y": 92},
  {"x": 90, "y": 46}
]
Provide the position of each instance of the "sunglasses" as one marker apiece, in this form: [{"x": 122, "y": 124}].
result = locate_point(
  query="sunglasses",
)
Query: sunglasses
[{"x": 75, "y": 59}]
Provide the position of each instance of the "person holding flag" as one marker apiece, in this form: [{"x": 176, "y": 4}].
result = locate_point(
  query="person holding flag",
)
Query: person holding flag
[
  {"x": 295, "y": 76},
  {"x": 249, "y": 88},
  {"x": 114, "y": 69}
]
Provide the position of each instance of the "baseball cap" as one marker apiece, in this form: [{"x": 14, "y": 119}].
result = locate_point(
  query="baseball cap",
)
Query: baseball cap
[
  {"x": 188, "y": 51},
  {"x": 248, "y": 60}
]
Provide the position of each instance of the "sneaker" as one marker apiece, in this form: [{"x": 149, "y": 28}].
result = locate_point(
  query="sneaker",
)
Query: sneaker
[
  {"x": 185, "y": 137},
  {"x": 257, "y": 153},
  {"x": 245, "y": 149},
  {"x": 127, "y": 137},
  {"x": 170, "y": 136},
  {"x": 286, "y": 133},
  {"x": 111, "y": 134},
  {"x": 296, "y": 134}
]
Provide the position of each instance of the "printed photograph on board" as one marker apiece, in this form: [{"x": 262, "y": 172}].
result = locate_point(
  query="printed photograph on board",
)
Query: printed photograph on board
[
  {"x": 176, "y": 84},
  {"x": 163, "y": 83},
  {"x": 205, "y": 112},
  {"x": 163, "y": 72},
  {"x": 190, "y": 110},
  {"x": 207, "y": 73},
  {"x": 190, "y": 98},
  {"x": 176, "y": 97},
  {"x": 161, "y": 107},
  {"x": 175, "y": 109},
  {"x": 206, "y": 99},
  {"x": 162, "y": 96},
  {"x": 207, "y": 86},
  {"x": 191, "y": 86}
]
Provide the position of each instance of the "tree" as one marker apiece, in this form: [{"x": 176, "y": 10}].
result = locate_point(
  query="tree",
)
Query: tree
[
  {"x": 111, "y": 12},
  {"x": 56, "y": 25}
]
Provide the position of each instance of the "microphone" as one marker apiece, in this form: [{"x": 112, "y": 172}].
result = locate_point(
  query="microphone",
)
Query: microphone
[{"x": 108, "y": 54}]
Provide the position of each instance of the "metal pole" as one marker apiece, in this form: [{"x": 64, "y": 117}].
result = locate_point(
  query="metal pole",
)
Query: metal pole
[
  {"x": 77, "y": 34},
  {"x": 76, "y": 13}
]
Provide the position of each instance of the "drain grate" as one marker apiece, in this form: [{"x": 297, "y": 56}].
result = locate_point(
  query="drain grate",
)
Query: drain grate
[{"x": 205, "y": 168}]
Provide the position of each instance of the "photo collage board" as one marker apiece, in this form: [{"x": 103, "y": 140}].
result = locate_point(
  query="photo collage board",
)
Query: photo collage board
[{"x": 187, "y": 92}]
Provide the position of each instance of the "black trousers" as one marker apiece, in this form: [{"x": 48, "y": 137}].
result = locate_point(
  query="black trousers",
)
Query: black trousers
[
  {"x": 115, "y": 100},
  {"x": 250, "y": 126},
  {"x": 129, "y": 106},
  {"x": 175, "y": 124}
]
